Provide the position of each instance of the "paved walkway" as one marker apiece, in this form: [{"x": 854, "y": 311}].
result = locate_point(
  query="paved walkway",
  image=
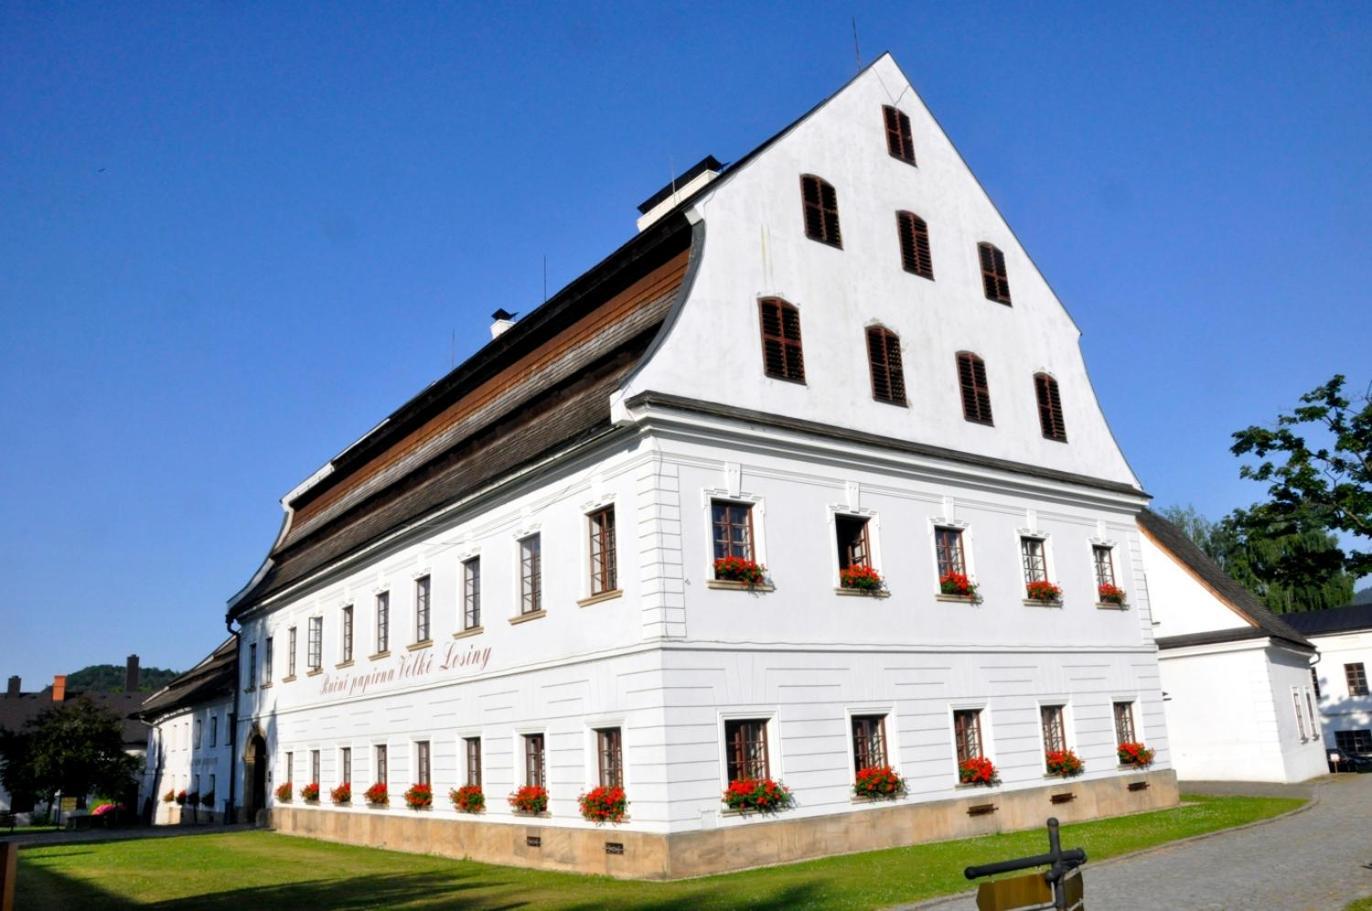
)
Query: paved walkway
[
  {"x": 1319, "y": 859},
  {"x": 63, "y": 837}
]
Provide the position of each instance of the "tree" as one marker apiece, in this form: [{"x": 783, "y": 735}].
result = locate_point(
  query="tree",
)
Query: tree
[
  {"x": 77, "y": 747},
  {"x": 16, "y": 771},
  {"x": 109, "y": 678}
]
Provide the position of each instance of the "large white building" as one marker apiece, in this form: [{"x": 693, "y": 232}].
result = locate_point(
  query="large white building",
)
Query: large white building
[
  {"x": 832, "y": 353},
  {"x": 1344, "y": 638},
  {"x": 1236, "y": 679}
]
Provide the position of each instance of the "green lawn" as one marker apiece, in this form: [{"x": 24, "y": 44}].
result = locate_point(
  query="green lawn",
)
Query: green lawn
[
  {"x": 264, "y": 871},
  {"x": 1362, "y": 904}
]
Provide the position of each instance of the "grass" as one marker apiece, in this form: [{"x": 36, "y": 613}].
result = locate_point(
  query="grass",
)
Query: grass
[
  {"x": 1362, "y": 904},
  {"x": 265, "y": 871}
]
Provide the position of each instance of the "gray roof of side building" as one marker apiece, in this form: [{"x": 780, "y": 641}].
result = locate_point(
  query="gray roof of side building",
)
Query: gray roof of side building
[
  {"x": 1347, "y": 619},
  {"x": 211, "y": 679},
  {"x": 1261, "y": 621}
]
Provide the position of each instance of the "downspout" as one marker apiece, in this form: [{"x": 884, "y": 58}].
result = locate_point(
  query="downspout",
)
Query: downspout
[{"x": 231, "y": 808}]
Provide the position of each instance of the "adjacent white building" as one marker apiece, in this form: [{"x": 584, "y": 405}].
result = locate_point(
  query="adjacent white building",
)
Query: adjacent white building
[
  {"x": 1344, "y": 638},
  {"x": 831, "y": 354},
  {"x": 1236, "y": 679}
]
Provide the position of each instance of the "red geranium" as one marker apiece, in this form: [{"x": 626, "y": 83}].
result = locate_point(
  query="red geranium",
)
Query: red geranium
[
  {"x": 956, "y": 584},
  {"x": 761, "y": 794},
  {"x": 602, "y": 804},
  {"x": 1135, "y": 754},
  {"x": 1044, "y": 591},
  {"x": 310, "y": 792},
  {"x": 1064, "y": 763},
  {"x": 284, "y": 792},
  {"x": 530, "y": 799},
  {"x": 181, "y": 797},
  {"x": 878, "y": 781},
  {"x": 169, "y": 796},
  {"x": 738, "y": 569},
  {"x": 419, "y": 797},
  {"x": 342, "y": 794},
  {"x": 1110, "y": 594},
  {"x": 468, "y": 798},
  {"x": 377, "y": 795},
  {"x": 978, "y": 770},
  {"x": 861, "y": 577}
]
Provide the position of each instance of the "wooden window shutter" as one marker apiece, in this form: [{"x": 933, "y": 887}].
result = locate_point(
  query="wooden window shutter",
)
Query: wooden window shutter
[
  {"x": 781, "y": 350},
  {"x": 994, "y": 280},
  {"x": 976, "y": 395},
  {"x": 820, "y": 202},
  {"x": 1050, "y": 408},
  {"x": 888, "y": 375},
  {"x": 899, "y": 141},
  {"x": 914, "y": 245}
]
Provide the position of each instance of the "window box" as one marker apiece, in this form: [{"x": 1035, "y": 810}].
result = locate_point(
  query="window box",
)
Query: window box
[
  {"x": 860, "y": 579},
  {"x": 384, "y": 653},
  {"x": 978, "y": 772},
  {"x": 757, "y": 795},
  {"x": 1063, "y": 764},
  {"x": 957, "y": 599},
  {"x": 956, "y": 585},
  {"x": 740, "y": 570},
  {"x": 603, "y": 596},
  {"x": 731, "y": 585},
  {"x": 468, "y": 799},
  {"x": 1110, "y": 594},
  {"x": 416, "y": 646},
  {"x": 1034, "y": 602},
  {"x": 1041, "y": 591},
  {"x": 531, "y": 615},
  {"x": 1135, "y": 755},
  {"x": 419, "y": 797},
  {"x": 1104, "y": 605},
  {"x": 378, "y": 796},
  {"x": 878, "y": 783},
  {"x": 530, "y": 800},
  {"x": 603, "y": 804},
  {"x": 310, "y": 792},
  {"x": 464, "y": 633},
  {"x": 342, "y": 795}
]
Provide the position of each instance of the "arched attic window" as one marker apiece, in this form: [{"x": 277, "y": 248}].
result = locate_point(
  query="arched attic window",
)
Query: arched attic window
[
  {"x": 1050, "y": 408},
  {"x": 782, "y": 357},
  {"x": 899, "y": 141},
  {"x": 883, "y": 357},
  {"x": 976, "y": 395},
  {"x": 994, "y": 281},
  {"x": 914, "y": 245}
]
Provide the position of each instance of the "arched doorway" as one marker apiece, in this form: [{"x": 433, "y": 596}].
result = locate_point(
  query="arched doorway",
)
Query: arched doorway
[{"x": 255, "y": 775}]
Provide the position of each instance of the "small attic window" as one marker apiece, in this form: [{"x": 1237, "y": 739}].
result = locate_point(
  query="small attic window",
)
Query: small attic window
[
  {"x": 820, "y": 203},
  {"x": 994, "y": 280},
  {"x": 899, "y": 142}
]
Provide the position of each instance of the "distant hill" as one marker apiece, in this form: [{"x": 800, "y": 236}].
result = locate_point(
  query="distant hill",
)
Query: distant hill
[
  {"x": 109, "y": 678},
  {"x": 1364, "y": 596}
]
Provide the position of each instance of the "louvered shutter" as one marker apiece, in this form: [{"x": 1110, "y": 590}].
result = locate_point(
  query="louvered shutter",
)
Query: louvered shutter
[
  {"x": 814, "y": 214},
  {"x": 883, "y": 356},
  {"x": 976, "y": 395},
  {"x": 781, "y": 345},
  {"x": 831, "y": 232},
  {"x": 1050, "y": 407}
]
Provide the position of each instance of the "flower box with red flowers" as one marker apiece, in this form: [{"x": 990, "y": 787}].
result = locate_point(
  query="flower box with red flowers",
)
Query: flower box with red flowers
[
  {"x": 760, "y": 795},
  {"x": 207, "y": 799},
  {"x": 419, "y": 797},
  {"x": 1044, "y": 592},
  {"x": 1135, "y": 754},
  {"x": 468, "y": 799},
  {"x": 377, "y": 795},
  {"x": 181, "y": 797},
  {"x": 601, "y": 805},
  {"x": 284, "y": 792},
  {"x": 310, "y": 792},
  {"x": 530, "y": 799},
  {"x": 1110, "y": 594},
  {"x": 878, "y": 782},
  {"x": 978, "y": 771},
  {"x": 169, "y": 796},
  {"x": 862, "y": 578},
  {"x": 957, "y": 585},
  {"x": 737, "y": 569},
  {"x": 1063, "y": 763},
  {"x": 342, "y": 794},
  {"x": 192, "y": 799}
]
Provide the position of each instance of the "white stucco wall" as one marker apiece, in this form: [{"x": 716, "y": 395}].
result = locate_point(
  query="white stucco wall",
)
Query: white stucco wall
[
  {"x": 1342, "y": 712},
  {"x": 1182, "y": 604},
  {"x": 174, "y": 760}
]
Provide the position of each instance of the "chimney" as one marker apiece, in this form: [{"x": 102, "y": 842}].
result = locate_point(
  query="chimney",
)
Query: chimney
[
  {"x": 503, "y": 320},
  {"x": 59, "y": 687},
  {"x": 13, "y": 689},
  {"x": 666, "y": 199},
  {"x": 131, "y": 675}
]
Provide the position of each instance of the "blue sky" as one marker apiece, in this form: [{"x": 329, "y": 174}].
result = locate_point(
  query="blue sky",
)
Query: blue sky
[{"x": 233, "y": 236}]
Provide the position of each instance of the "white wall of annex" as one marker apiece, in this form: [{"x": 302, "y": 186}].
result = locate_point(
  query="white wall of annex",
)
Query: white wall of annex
[
  {"x": 176, "y": 762},
  {"x": 1181, "y": 604},
  {"x": 1340, "y": 710}
]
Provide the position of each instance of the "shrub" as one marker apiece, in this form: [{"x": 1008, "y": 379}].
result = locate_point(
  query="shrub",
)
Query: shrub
[
  {"x": 957, "y": 584},
  {"x": 602, "y": 804},
  {"x": 310, "y": 792},
  {"x": 757, "y": 794},
  {"x": 377, "y": 795},
  {"x": 1043, "y": 591},
  {"x": 181, "y": 797},
  {"x": 207, "y": 799},
  {"x": 978, "y": 770},
  {"x": 1135, "y": 754},
  {"x": 419, "y": 797},
  {"x": 861, "y": 578},
  {"x": 1110, "y": 594},
  {"x": 530, "y": 799},
  {"x": 342, "y": 794},
  {"x": 169, "y": 796},
  {"x": 737, "y": 569},
  {"x": 284, "y": 792},
  {"x": 468, "y": 799},
  {"x": 878, "y": 781},
  {"x": 1064, "y": 763},
  {"x": 104, "y": 809}
]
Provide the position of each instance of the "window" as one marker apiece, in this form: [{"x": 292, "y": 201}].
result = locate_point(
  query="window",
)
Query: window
[
  {"x": 383, "y": 622},
  {"x": 421, "y": 763},
  {"x": 267, "y": 661},
  {"x": 948, "y": 551},
  {"x": 1357, "y": 679},
  {"x": 976, "y": 395},
  {"x": 869, "y": 741},
  {"x": 252, "y": 665},
  {"x": 347, "y": 634},
  {"x": 315, "y": 658},
  {"x": 993, "y": 278},
  {"x": 781, "y": 352},
  {"x": 820, "y": 203},
  {"x": 290, "y": 767},
  {"x": 473, "y": 750},
  {"x": 1300, "y": 713},
  {"x": 1353, "y": 742},
  {"x": 1105, "y": 564},
  {"x": 1050, "y": 408},
  {"x": 1033, "y": 559},
  {"x": 914, "y": 245},
  {"x": 733, "y": 529},
  {"x": 967, "y": 734},
  {"x": 198, "y": 725},
  {"x": 471, "y": 593},
  {"x": 214, "y": 730},
  {"x": 421, "y": 609},
  {"x": 534, "y": 767},
  {"x": 531, "y": 575},
  {"x": 314, "y": 767},
  {"x": 610, "y": 757},
  {"x": 1315, "y": 679},
  {"x": 1124, "y": 723},
  {"x": 745, "y": 745},
  {"x": 898, "y": 139},
  {"x": 211, "y": 790},
  {"x": 290, "y": 652},
  {"x": 382, "y": 767},
  {"x": 854, "y": 544},
  {"x": 603, "y": 568},
  {"x": 1054, "y": 732},
  {"x": 345, "y": 765},
  {"x": 883, "y": 356}
]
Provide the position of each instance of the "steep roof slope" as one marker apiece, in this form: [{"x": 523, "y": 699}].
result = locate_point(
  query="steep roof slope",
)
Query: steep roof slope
[{"x": 1350, "y": 618}]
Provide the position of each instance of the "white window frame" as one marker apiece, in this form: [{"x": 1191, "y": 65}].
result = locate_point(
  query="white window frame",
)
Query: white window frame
[
  {"x": 591, "y": 749},
  {"x": 517, "y": 577},
  {"x": 775, "y": 754},
  {"x": 758, "y": 506},
  {"x": 415, "y": 741},
  {"x": 968, "y": 548},
  {"x": 885, "y": 709},
  {"x": 587, "y": 583},
  {"x": 521, "y": 765},
  {"x": 873, "y": 518},
  {"x": 1069, "y": 739},
  {"x": 983, "y": 708},
  {"x": 1048, "y": 558}
]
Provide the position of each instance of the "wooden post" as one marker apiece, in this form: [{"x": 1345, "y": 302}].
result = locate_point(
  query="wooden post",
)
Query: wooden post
[{"x": 9, "y": 871}]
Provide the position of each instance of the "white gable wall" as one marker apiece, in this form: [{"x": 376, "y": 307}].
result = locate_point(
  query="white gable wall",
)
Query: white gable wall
[
  {"x": 1182, "y": 604},
  {"x": 1341, "y": 711}
]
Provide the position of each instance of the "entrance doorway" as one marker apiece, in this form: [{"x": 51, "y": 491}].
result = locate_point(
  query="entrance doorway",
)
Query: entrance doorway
[{"x": 255, "y": 776}]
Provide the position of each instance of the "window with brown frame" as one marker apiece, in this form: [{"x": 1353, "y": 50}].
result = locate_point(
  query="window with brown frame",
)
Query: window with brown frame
[
  {"x": 781, "y": 351},
  {"x": 530, "y": 575},
  {"x": 422, "y": 765},
  {"x": 967, "y": 734},
  {"x": 1054, "y": 732},
  {"x": 1034, "y": 559},
  {"x": 976, "y": 394},
  {"x": 733, "y": 529},
  {"x": 290, "y": 767},
  {"x": 534, "y": 768},
  {"x": 994, "y": 281},
  {"x": 820, "y": 202},
  {"x": 854, "y": 543},
  {"x": 745, "y": 744},
  {"x": 422, "y": 589},
  {"x": 610, "y": 757},
  {"x": 883, "y": 356},
  {"x": 1356, "y": 674},
  {"x": 383, "y": 771},
  {"x": 948, "y": 551},
  {"x": 869, "y": 741},
  {"x": 914, "y": 245},
  {"x": 472, "y": 747},
  {"x": 290, "y": 653},
  {"x": 604, "y": 571},
  {"x": 1105, "y": 564},
  {"x": 1124, "y": 723},
  {"x": 314, "y": 767},
  {"x": 899, "y": 141},
  {"x": 471, "y": 593},
  {"x": 345, "y": 765},
  {"x": 347, "y": 631},
  {"x": 1050, "y": 408}
]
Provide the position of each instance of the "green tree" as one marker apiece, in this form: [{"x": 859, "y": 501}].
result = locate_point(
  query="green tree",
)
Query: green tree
[
  {"x": 77, "y": 747},
  {"x": 16, "y": 770}
]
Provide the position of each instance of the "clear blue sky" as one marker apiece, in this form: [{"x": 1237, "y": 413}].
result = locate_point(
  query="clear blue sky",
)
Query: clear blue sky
[{"x": 235, "y": 235}]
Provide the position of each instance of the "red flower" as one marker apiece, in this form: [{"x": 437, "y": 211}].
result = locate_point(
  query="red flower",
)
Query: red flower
[
  {"x": 1135, "y": 754},
  {"x": 530, "y": 799},
  {"x": 956, "y": 584},
  {"x": 978, "y": 770},
  {"x": 1110, "y": 594},
  {"x": 878, "y": 781},
  {"x": 377, "y": 795},
  {"x": 1064, "y": 763},
  {"x": 468, "y": 798},
  {"x": 738, "y": 569},
  {"x": 860, "y": 577},
  {"x": 603, "y": 804},
  {"x": 761, "y": 794},
  {"x": 310, "y": 792},
  {"x": 1043, "y": 591},
  {"x": 342, "y": 794},
  {"x": 284, "y": 792}
]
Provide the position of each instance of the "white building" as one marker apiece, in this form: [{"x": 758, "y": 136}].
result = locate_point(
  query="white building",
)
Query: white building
[
  {"x": 1344, "y": 638},
  {"x": 833, "y": 352},
  {"x": 1236, "y": 679},
  {"x": 189, "y": 746}
]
